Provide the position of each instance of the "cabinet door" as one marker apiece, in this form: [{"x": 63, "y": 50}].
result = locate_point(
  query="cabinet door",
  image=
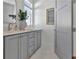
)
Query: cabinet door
[
  {"x": 31, "y": 44},
  {"x": 38, "y": 39},
  {"x": 31, "y": 47},
  {"x": 23, "y": 46},
  {"x": 12, "y": 47}
]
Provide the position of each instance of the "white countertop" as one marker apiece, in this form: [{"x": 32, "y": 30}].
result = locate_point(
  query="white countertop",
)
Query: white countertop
[{"x": 29, "y": 29}]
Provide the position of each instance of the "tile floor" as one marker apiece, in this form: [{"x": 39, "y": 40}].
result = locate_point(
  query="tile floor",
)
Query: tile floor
[
  {"x": 47, "y": 49},
  {"x": 44, "y": 53}
]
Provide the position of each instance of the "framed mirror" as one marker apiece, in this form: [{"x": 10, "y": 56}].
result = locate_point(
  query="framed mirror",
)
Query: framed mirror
[{"x": 50, "y": 16}]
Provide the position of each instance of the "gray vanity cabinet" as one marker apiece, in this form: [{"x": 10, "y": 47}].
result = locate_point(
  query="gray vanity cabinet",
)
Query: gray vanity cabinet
[
  {"x": 34, "y": 42},
  {"x": 12, "y": 47},
  {"x": 23, "y": 46}
]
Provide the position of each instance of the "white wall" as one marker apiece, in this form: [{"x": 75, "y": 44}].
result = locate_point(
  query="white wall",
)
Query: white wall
[
  {"x": 40, "y": 10},
  {"x": 10, "y": 1},
  {"x": 40, "y": 20},
  {"x": 20, "y": 4}
]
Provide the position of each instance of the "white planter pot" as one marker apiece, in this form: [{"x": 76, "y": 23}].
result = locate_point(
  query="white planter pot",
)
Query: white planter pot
[{"x": 22, "y": 25}]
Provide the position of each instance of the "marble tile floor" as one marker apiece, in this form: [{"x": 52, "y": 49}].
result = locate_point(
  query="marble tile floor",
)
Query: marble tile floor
[
  {"x": 44, "y": 53},
  {"x": 47, "y": 46}
]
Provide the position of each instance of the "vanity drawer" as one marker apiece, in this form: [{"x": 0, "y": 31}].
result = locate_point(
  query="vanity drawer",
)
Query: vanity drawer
[
  {"x": 31, "y": 41},
  {"x": 24, "y": 35},
  {"x": 31, "y": 44},
  {"x": 30, "y": 51},
  {"x": 38, "y": 39},
  {"x": 31, "y": 34}
]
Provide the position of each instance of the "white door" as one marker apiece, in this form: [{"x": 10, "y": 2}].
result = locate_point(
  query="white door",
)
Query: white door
[
  {"x": 23, "y": 46},
  {"x": 12, "y": 47},
  {"x": 64, "y": 29}
]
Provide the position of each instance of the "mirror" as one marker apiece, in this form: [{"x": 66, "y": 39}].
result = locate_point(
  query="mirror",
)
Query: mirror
[
  {"x": 11, "y": 9},
  {"x": 50, "y": 16},
  {"x": 9, "y": 12}
]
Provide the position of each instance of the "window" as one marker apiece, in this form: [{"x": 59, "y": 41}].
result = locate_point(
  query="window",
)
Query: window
[{"x": 28, "y": 8}]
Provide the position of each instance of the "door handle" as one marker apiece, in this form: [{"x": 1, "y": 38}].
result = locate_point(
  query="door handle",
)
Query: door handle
[{"x": 74, "y": 29}]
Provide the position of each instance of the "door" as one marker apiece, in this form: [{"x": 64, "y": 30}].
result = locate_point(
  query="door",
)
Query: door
[
  {"x": 23, "y": 46},
  {"x": 64, "y": 29},
  {"x": 12, "y": 47}
]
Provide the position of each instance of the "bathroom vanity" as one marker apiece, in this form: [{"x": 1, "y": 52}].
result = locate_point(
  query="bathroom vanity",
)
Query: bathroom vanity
[{"x": 21, "y": 44}]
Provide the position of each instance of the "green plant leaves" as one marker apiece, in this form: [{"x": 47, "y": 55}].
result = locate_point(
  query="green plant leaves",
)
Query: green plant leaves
[{"x": 22, "y": 15}]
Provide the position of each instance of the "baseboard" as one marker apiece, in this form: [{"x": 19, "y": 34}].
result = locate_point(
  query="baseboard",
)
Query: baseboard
[{"x": 73, "y": 57}]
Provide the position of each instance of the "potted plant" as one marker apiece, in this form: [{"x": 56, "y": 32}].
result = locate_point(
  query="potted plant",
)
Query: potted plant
[{"x": 22, "y": 19}]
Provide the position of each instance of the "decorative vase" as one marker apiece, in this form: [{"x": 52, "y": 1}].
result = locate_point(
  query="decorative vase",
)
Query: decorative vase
[{"x": 22, "y": 24}]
